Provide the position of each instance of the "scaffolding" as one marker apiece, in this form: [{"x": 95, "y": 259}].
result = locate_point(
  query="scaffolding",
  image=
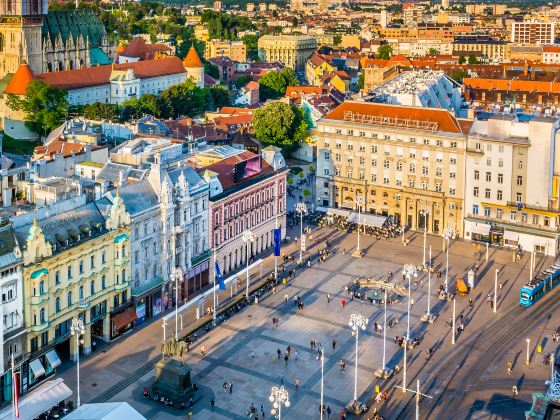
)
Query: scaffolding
[{"x": 359, "y": 118}]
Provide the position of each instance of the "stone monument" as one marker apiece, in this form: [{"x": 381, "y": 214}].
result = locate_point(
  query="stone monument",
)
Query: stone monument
[{"x": 173, "y": 376}]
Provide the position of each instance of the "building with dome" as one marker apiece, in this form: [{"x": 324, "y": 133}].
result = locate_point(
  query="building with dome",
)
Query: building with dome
[{"x": 194, "y": 67}]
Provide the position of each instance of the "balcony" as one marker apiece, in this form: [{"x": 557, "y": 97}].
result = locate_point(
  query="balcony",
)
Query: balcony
[
  {"x": 38, "y": 300},
  {"x": 40, "y": 327},
  {"x": 123, "y": 285},
  {"x": 508, "y": 223},
  {"x": 528, "y": 208},
  {"x": 83, "y": 304},
  {"x": 198, "y": 259}
]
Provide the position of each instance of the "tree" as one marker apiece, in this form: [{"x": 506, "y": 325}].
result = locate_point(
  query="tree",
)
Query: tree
[
  {"x": 273, "y": 84},
  {"x": 281, "y": 125},
  {"x": 462, "y": 59},
  {"x": 361, "y": 80},
  {"x": 306, "y": 192},
  {"x": 473, "y": 59},
  {"x": 212, "y": 70},
  {"x": 337, "y": 39},
  {"x": 459, "y": 75},
  {"x": 220, "y": 96},
  {"x": 100, "y": 111},
  {"x": 385, "y": 52},
  {"x": 182, "y": 99},
  {"x": 242, "y": 81},
  {"x": 433, "y": 51},
  {"x": 44, "y": 106}
]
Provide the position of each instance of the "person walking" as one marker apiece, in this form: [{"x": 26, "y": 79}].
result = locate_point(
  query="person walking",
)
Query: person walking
[
  {"x": 252, "y": 355},
  {"x": 286, "y": 357},
  {"x": 289, "y": 350},
  {"x": 328, "y": 298},
  {"x": 295, "y": 354},
  {"x": 286, "y": 297},
  {"x": 333, "y": 344},
  {"x": 230, "y": 387},
  {"x": 203, "y": 350},
  {"x": 329, "y": 411},
  {"x": 281, "y": 378},
  {"x": 343, "y": 302},
  {"x": 471, "y": 303},
  {"x": 296, "y": 382},
  {"x": 515, "y": 391},
  {"x": 212, "y": 403},
  {"x": 510, "y": 367}
]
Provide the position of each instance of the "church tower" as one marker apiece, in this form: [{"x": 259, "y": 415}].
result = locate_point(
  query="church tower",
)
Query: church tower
[{"x": 20, "y": 34}]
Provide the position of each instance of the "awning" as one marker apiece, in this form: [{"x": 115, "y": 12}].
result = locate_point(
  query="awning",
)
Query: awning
[
  {"x": 122, "y": 320},
  {"x": 338, "y": 212},
  {"x": 41, "y": 399},
  {"x": 37, "y": 368},
  {"x": 511, "y": 236},
  {"x": 480, "y": 228},
  {"x": 53, "y": 358},
  {"x": 367, "y": 219},
  {"x": 322, "y": 209}
]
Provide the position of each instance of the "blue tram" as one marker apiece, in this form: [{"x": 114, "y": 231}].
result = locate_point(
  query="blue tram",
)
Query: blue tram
[{"x": 540, "y": 285}]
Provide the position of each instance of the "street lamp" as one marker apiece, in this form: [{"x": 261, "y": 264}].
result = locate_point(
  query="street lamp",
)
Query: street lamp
[
  {"x": 357, "y": 322},
  {"x": 425, "y": 214},
  {"x": 409, "y": 271},
  {"x": 248, "y": 237},
  {"x": 177, "y": 275},
  {"x": 359, "y": 203},
  {"x": 528, "y": 355},
  {"x": 77, "y": 328},
  {"x": 447, "y": 235},
  {"x": 496, "y": 290},
  {"x": 301, "y": 209},
  {"x": 322, "y": 379},
  {"x": 278, "y": 397}
]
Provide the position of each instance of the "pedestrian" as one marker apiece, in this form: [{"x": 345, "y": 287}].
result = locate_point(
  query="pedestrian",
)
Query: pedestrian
[
  {"x": 515, "y": 391},
  {"x": 252, "y": 355},
  {"x": 510, "y": 367},
  {"x": 471, "y": 304},
  {"x": 333, "y": 344},
  {"x": 500, "y": 285},
  {"x": 212, "y": 403},
  {"x": 289, "y": 350},
  {"x": 328, "y": 298},
  {"x": 230, "y": 387},
  {"x": 312, "y": 343},
  {"x": 343, "y": 302},
  {"x": 225, "y": 385},
  {"x": 295, "y": 354},
  {"x": 191, "y": 403},
  {"x": 286, "y": 297},
  {"x": 93, "y": 345},
  {"x": 385, "y": 396},
  {"x": 296, "y": 382},
  {"x": 286, "y": 357},
  {"x": 328, "y": 412},
  {"x": 203, "y": 350},
  {"x": 281, "y": 378},
  {"x": 378, "y": 398},
  {"x": 262, "y": 411}
]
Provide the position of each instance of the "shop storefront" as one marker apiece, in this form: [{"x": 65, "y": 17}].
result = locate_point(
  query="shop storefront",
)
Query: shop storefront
[
  {"x": 196, "y": 279},
  {"x": 147, "y": 300},
  {"x": 479, "y": 232},
  {"x": 122, "y": 321}
]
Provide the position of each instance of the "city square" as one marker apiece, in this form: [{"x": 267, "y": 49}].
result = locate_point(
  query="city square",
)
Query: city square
[{"x": 230, "y": 346}]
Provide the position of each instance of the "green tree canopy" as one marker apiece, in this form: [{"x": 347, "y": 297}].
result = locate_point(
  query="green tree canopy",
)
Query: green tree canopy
[
  {"x": 473, "y": 59},
  {"x": 44, "y": 107},
  {"x": 462, "y": 59},
  {"x": 385, "y": 52},
  {"x": 182, "y": 99},
  {"x": 100, "y": 111},
  {"x": 220, "y": 97},
  {"x": 273, "y": 84},
  {"x": 281, "y": 125}
]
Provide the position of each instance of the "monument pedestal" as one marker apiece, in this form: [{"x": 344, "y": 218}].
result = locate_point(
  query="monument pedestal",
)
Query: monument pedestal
[
  {"x": 358, "y": 254},
  {"x": 173, "y": 381}
]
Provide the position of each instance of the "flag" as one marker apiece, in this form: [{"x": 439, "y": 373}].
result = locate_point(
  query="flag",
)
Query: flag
[
  {"x": 277, "y": 240},
  {"x": 219, "y": 277},
  {"x": 15, "y": 399}
]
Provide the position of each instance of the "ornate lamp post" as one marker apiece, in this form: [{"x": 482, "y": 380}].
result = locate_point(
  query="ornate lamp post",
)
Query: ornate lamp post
[
  {"x": 77, "y": 328},
  {"x": 447, "y": 235},
  {"x": 359, "y": 203},
  {"x": 409, "y": 271},
  {"x": 177, "y": 275},
  {"x": 248, "y": 237},
  {"x": 278, "y": 397},
  {"x": 301, "y": 209},
  {"x": 357, "y": 322}
]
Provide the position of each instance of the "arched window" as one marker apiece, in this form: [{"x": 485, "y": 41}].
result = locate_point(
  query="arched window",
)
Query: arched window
[
  {"x": 69, "y": 299},
  {"x": 42, "y": 287},
  {"x": 124, "y": 251},
  {"x": 57, "y": 304},
  {"x": 42, "y": 315},
  {"x": 124, "y": 275},
  {"x": 60, "y": 66},
  {"x": 103, "y": 282},
  {"x": 92, "y": 288},
  {"x": 81, "y": 292}
]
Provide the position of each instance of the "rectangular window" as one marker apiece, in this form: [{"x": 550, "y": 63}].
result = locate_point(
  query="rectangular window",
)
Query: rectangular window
[
  {"x": 535, "y": 219},
  {"x": 500, "y": 163},
  {"x": 438, "y": 186},
  {"x": 488, "y": 177},
  {"x": 57, "y": 277},
  {"x": 519, "y": 180},
  {"x": 475, "y": 209},
  {"x": 439, "y": 143},
  {"x": 488, "y": 162},
  {"x": 518, "y": 197},
  {"x": 362, "y": 160},
  {"x": 452, "y": 175},
  {"x": 488, "y": 147},
  {"x": 453, "y": 144},
  {"x": 451, "y": 190},
  {"x": 386, "y": 164},
  {"x": 476, "y": 175},
  {"x": 374, "y": 148},
  {"x": 327, "y": 155},
  {"x": 520, "y": 164},
  {"x": 500, "y": 178},
  {"x": 69, "y": 272},
  {"x": 487, "y": 193},
  {"x": 487, "y": 211},
  {"x": 524, "y": 217},
  {"x": 374, "y": 163},
  {"x": 513, "y": 216},
  {"x": 399, "y": 166},
  {"x": 475, "y": 191},
  {"x": 499, "y": 195},
  {"x": 385, "y": 179},
  {"x": 547, "y": 221},
  {"x": 337, "y": 157}
]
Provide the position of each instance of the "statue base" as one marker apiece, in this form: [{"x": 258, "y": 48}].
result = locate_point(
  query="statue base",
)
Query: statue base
[{"x": 173, "y": 381}]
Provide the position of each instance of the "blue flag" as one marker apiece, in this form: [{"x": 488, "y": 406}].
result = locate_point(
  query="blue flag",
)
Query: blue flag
[
  {"x": 277, "y": 240},
  {"x": 219, "y": 277}
]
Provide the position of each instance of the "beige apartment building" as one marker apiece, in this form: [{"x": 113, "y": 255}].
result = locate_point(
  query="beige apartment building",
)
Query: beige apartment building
[
  {"x": 291, "y": 50},
  {"x": 235, "y": 50},
  {"x": 404, "y": 162}
]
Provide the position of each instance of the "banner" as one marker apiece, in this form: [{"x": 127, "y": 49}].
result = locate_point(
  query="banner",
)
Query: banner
[
  {"x": 219, "y": 277},
  {"x": 277, "y": 241}
]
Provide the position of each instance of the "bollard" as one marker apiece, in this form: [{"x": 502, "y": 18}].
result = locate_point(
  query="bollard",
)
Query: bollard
[
  {"x": 377, "y": 389},
  {"x": 539, "y": 348}
]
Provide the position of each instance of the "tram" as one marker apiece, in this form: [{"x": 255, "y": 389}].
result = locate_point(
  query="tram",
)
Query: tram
[{"x": 540, "y": 285}]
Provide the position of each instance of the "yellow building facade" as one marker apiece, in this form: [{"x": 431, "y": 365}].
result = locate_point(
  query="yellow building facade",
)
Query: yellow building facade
[{"x": 75, "y": 265}]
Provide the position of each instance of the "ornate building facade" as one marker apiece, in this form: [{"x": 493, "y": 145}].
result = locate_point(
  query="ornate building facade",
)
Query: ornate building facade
[{"x": 50, "y": 41}]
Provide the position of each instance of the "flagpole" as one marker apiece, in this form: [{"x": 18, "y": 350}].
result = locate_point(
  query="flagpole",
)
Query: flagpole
[{"x": 215, "y": 273}]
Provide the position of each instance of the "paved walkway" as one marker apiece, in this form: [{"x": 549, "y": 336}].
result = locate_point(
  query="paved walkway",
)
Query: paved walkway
[{"x": 120, "y": 371}]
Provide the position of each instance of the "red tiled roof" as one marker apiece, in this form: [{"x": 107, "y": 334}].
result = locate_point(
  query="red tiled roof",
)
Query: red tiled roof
[
  {"x": 226, "y": 169},
  {"x": 293, "y": 91},
  {"x": 100, "y": 75},
  {"x": 446, "y": 122},
  {"x": 235, "y": 119},
  {"x": 235, "y": 111},
  {"x": 252, "y": 85},
  {"x": 192, "y": 59},
  {"x": 20, "y": 80},
  {"x": 513, "y": 85},
  {"x": 139, "y": 49},
  {"x": 56, "y": 147},
  {"x": 400, "y": 59},
  {"x": 551, "y": 48},
  {"x": 373, "y": 63}
]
